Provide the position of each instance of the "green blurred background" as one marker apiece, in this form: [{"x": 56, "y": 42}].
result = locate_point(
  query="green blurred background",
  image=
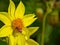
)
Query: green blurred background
[{"x": 52, "y": 29}]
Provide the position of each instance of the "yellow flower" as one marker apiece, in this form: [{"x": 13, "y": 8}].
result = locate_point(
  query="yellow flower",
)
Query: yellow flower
[{"x": 16, "y": 25}]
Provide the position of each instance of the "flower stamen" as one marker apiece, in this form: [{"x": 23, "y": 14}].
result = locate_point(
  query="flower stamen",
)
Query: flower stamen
[{"x": 17, "y": 24}]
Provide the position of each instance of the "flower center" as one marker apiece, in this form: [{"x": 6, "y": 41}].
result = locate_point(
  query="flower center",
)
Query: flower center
[{"x": 17, "y": 24}]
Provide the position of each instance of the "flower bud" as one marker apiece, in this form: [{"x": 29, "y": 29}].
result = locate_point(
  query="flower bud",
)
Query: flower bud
[
  {"x": 53, "y": 19},
  {"x": 39, "y": 13}
]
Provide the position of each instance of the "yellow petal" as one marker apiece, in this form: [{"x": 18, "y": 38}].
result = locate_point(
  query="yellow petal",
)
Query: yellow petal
[
  {"x": 6, "y": 14},
  {"x": 29, "y": 16},
  {"x": 31, "y": 42},
  {"x": 12, "y": 40},
  {"x": 28, "y": 21},
  {"x": 25, "y": 32},
  {"x": 21, "y": 40},
  {"x": 5, "y": 20},
  {"x": 32, "y": 30},
  {"x": 20, "y": 10},
  {"x": 5, "y": 31},
  {"x": 11, "y": 10}
]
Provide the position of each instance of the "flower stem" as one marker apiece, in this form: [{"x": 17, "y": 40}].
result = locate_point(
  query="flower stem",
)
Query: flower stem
[{"x": 43, "y": 30}]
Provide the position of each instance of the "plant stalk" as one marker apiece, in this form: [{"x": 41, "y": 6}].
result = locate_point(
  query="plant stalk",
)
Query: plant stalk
[{"x": 43, "y": 30}]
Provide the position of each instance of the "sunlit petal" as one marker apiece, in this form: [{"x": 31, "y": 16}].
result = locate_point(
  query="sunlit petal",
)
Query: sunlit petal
[
  {"x": 11, "y": 10},
  {"x": 5, "y": 20},
  {"x": 28, "y": 21},
  {"x": 5, "y": 14},
  {"x": 20, "y": 10},
  {"x": 5, "y": 31},
  {"x": 32, "y": 30},
  {"x": 12, "y": 40},
  {"x": 21, "y": 40},
  {"x": 29, "y": 16},
  {"x": 31, "y": 42},
  {"x": 25, "y": 32}
]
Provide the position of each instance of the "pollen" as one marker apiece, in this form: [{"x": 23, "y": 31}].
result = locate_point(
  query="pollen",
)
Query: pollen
[{"x": 17, "y": 24}]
